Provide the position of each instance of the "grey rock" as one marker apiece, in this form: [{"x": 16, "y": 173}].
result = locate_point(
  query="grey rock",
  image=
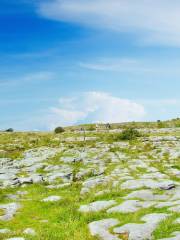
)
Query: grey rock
[
  {"x": 97, "y": 206},
  {"x": 29, "y": 231},
  {"x": 130, "y": 206},
  {"x": 22, "y": 193},
  {"x": 37, "y": 178},
  {"x": 176, "y": 194},
  {"x": 93, "y": 182},
  {"x": 25, "y": 180},
  {"x": 167, "y": 186},
  {"x": 142, "y": 231},
  {"x": 16, "y": 238},
  {"x": 148, "y": 183},
  {"x": 167, "y": 204},
  {"x": 12, "y": 196},
  {"x": 177, "y": 221},
  {"x": 62, "y": 175},
  {"x": 59, "y": 186},
  {"x": 146, "y": 195},
  {"x": 10, "y": 209},
  {"x": 52, "y": 199},
  {"x": 71, "y": 159},
  {"x": 4, "y": 231},
  {"x": 102, "y": 192},
  {"x": 44, "y": 221},
  {"x": 101, "y": 229},
  {"x": 175, "y": 209}
]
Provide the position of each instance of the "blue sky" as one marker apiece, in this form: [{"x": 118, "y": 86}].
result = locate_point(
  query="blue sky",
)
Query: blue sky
[{"x": 68, "y": 62}]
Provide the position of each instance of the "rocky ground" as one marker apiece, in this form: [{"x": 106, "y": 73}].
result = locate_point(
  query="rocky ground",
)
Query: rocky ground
[{"x": 62, "y": 187}]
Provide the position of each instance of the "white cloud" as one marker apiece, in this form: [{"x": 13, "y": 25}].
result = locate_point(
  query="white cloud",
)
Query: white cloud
[
  {"x": 38, "y": 76},
  {"x": 28, "y": 78},
  {"x": 155, "y": 21},
  {"x": 139, "y": 65},
  {"x": 118, "y": 65},
  {"x": 94, "y": 107},
  {"x": 162, "y": 102}
]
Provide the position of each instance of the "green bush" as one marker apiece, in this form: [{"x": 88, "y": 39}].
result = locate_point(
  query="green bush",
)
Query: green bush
[
  {"x": 9, "y": 130},
  {"x": 128, "y": 134},
  {"x": 160, "y": 124},
  {"x": 59, "y": 130}
]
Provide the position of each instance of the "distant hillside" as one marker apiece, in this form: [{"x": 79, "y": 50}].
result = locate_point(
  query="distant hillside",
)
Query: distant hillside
[{"x": 158, "y": 124}]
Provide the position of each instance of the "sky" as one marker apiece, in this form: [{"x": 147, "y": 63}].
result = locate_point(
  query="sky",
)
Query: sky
[{"x": 66, "y": 62}]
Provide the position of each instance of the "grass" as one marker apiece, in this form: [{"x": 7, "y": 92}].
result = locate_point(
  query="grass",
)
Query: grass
[
  {"x": 64, "y": 221},
  {"x": 1, "y": 212}
]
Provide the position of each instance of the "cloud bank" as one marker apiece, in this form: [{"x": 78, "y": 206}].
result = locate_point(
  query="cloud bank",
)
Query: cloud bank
[
  {"x": 92, "y": 107},
  {"x": 153, "y": 21}
]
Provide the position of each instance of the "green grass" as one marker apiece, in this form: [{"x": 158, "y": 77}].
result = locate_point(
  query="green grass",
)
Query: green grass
[{"x": 64, "y": 219}]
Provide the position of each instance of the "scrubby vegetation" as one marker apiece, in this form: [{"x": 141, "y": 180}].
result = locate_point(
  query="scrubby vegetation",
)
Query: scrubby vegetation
[
  {"x": 129, "y": 134},
  {"x": 59, "y": 130}
]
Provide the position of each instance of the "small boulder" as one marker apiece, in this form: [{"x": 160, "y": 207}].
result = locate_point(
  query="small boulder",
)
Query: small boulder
[{"x": 52, "y": 199}]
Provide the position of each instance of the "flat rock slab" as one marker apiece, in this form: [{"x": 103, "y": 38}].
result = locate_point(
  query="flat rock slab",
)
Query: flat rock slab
[
  {"x": 97, "y": 206},
  {"x": 93, "y": 182},
  {"x": 176, "y": 194},
  {"x": 9, "y": 209},
  {"x": 4, "y": 231},
  {"x": 146, "y": 195},
  {"x": 167, "y": 187},
  {"x": 29, "y": 231},
  {"x": 130, "y": 206},
  {"x": 146, "y": 183},
  {"x": 62, "y": 185},
  {"x": 175, "y": 209},
  {"x": 101, "y": 229},
  {"x": 51, "y": 199},
  {"x": 167, "y": 204},
  {"x": 177, "y": 221},
  {"x": 16, "y": 238},
  {"x": 142, "y": 231}
]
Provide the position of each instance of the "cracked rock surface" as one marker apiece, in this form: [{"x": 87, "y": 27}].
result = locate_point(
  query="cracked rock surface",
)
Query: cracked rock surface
[{"x": 104, "y": 188}]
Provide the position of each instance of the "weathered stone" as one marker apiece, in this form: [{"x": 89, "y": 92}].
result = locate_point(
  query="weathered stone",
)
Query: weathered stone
[
  {"x": 97, "y": 206},
  {"x": 16, "y": 238},
  {"x": 101, "y": 229},
  {"x": 137, "y": 231},
  {"x": 59, "y": 186},
  {"x": 175, "y": 209},
  {"x": 130, "y": 206},
  {"x": 177, "y": 221},
  {"x": 146, "y": 195},
  {"x": 4, "y": 231},
  {"x": 29, "y": 231},
  {"x": 10, "y": 209},
  {"x": 52, "y": 199},
  {"x": 148, "y": 183},
  {"x": 167, "y": 187}
]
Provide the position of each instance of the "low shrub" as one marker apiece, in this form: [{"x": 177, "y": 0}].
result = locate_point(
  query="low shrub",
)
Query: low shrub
[
  {"x": 59, "y": 130},
  {"x": 128, "y": 134},
  {"x": 9, "y": 130}
]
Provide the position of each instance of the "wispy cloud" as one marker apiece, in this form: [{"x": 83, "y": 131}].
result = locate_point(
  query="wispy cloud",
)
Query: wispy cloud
[
  {"x": 154, "y": 21},
  {"x": 117, "y": 65},
  {"x": 151, "y": 66},
  {"x": 28, "y": 78},
  {"x": 161, "y": 102}
]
